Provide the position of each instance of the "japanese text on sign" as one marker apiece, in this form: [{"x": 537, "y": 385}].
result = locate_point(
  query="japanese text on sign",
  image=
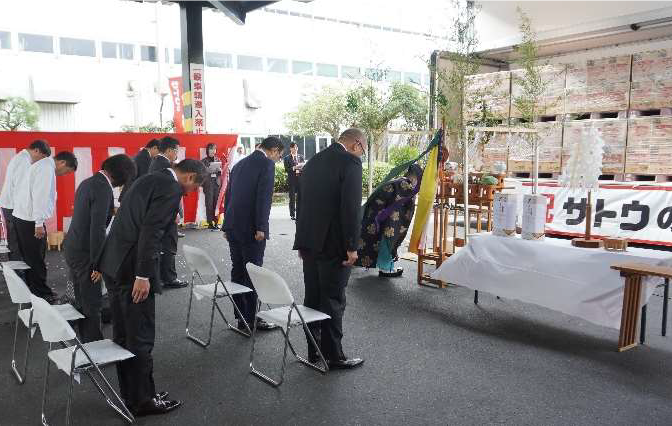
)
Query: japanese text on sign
[{"x": 197, "y": 95}]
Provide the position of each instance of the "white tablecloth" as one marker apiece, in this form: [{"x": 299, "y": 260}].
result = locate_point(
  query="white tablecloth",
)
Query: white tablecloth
[{"x": 550, "y": 273}]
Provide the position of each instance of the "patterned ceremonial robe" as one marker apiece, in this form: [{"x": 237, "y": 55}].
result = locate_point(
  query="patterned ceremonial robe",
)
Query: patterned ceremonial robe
[{"x": 388, "y": 214}]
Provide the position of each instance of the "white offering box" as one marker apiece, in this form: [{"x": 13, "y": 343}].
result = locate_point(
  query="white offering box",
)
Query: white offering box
[
  {"x": 505, "y": 214},
  {"x": 534, "y": 216}
]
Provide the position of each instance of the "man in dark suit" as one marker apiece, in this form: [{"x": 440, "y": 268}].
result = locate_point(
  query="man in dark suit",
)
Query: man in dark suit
[
  {"x": 293, "y": 163},
  {"x": 94, "y": 204},
  {"x": 144, "y": 158},
  {"x": 327, "y": 237},
  {"x": 168, "y": 148},
  {"x": 247, "y": 206},
  {"x": 129, "y": 265}
]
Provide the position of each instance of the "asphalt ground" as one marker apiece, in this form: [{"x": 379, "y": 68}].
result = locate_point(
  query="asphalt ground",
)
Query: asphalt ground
[{"x": 432, "y": 357}]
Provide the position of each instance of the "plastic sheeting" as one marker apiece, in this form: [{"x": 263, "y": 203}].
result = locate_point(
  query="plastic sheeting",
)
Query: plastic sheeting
[{"x": 550, "y": 273}]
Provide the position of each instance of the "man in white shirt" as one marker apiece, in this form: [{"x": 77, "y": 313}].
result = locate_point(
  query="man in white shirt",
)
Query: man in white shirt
[
  {"x": 34, "y": 202},
  {"x": 16, "y": 171}
]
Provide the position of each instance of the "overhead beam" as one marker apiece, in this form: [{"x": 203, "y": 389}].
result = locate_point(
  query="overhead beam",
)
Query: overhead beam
[{"x": 232, "y": 9}]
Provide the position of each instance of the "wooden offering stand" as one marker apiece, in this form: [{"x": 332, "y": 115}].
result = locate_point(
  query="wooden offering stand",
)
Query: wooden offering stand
[
  {"x": 587, "y": 241},
  {"x": 634, "y": 273},
  {"x": 450, "y": 196}
]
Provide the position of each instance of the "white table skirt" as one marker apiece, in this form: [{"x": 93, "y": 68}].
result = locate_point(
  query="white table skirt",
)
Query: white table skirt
[{"x": 550, "y": 273}]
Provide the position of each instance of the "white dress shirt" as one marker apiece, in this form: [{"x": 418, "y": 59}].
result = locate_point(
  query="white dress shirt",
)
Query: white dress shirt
[
  {"x": 35, "y": 196},
  {"x": 16, "y": 171}
]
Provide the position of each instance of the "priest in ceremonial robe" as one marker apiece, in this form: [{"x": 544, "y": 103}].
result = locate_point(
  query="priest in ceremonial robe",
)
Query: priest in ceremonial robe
[{"x": 387, "y": 217}]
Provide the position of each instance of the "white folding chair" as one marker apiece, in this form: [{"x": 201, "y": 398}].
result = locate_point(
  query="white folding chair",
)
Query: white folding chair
[
  {"x": 201, "y": 265},
  {"x": 77, "y": 358},
  {"x": 17, "y": 265},
  {"x": 20, "y": 295},
  {"x": 272, "y": 289}
]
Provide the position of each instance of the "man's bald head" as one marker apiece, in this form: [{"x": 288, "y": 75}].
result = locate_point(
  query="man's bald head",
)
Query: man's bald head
[{"x": 353, "y": 140}]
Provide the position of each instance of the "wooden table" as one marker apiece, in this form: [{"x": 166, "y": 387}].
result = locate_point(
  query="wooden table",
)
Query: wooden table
[{"x": 632, "y": 296}]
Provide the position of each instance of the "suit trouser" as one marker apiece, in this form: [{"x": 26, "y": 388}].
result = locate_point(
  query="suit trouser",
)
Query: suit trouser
[
  {"x": 89, "y": 299},
  {"x": 32, "y": 251},
  {"x": 325, "y": 280},
  {"x": 242, "y": 253},
  {"x": 211, "y": 192},
  {"x": 294, "y": 198},
  {"x": 11, "y": 235},
  {"x": 133, "y": 329},
  {"x": 167, "y": 270}
]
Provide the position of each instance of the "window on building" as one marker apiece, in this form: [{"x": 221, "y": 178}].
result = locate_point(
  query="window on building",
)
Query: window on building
[
  {"x": 393, "y": 75},
  {"x": 36, "y": 43},
  {"x": 301, "y": 67},
  {"x": 126, "y": 51},
  {"x": 323, "y": 142},
  {"x": 166, "y": 57},
  {"x": 374, "y": 74},
  {"x": 77, "y": 47},
  {"x": 117, "y": 50},
  {"x": 276, "y": 65},
  {"x": 148, "y": 53},
  {"x": 109, "y": 50},
  {"x": 327, "y": 70},
  {"x": 309, "y": 147},
  {"x": 177, "y": 56},
  {"x": 5, "y": 40},
  {"x": 258, "y": 140},
  {"x": 245, "y": 142},
  {"x": 250, "y": 63},
  {"x": 218, "y": 60},
  {"x": 350, "y": 72},
  {"x": 412, "y": 77}
]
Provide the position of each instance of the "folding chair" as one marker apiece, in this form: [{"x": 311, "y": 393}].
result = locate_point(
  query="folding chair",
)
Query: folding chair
[
  {"x": 272, "y": 289},
  {"x": 201, "y": 265},
  {"x": 20, "y": 295},
  {"x": 78, "y": 358}
]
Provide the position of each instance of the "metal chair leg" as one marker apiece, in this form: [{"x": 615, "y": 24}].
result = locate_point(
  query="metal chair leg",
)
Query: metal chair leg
[
  {"x": 666, "y": 294},
  {"x": 45, "y": 389},
  {"x": 70, "y": 387},
  {"x": 195, "y": 339},
  {"x": 21, "y": 377},
  {"x": 315, "y": 345},
  {"x": 642, "y": 332},
  {"x": 259, "y": 374}
]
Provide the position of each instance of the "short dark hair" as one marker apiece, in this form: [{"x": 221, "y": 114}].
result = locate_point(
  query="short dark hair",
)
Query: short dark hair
[
  {"x": 167, "y": 143},
  {"x": 292, "y": 144},
  {"x": 272, "y": 142},
  {"x": 69, "y": 158},
  {"x": 153, "y": 143},
  {"x": 121, "y": 169},
  {"x": 42, "y": 146},
  {"x": 189, "y": 165},
  {"x": 210, "y": 145}
]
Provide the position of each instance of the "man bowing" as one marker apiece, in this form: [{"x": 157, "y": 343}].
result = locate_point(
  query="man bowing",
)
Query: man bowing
[{"x": 129, "y": 265}]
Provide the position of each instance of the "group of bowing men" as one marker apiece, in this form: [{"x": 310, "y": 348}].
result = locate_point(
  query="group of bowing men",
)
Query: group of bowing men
[{"x": 127, "y": 254}]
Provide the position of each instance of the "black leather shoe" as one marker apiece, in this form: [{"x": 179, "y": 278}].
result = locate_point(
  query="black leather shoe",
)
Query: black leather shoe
[
  {"x": 394, "y": 274},
  {"x": 156, "y": 406},
  {"x": 161, "y": 395},
  {"x": 176, "y": 284},
  {"x": 345, "y": 364}
]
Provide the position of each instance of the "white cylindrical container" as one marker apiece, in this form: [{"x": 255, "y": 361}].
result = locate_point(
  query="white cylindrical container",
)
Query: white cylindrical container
[
  {"x": 534, "y": 216},
  {"x": 504, "y": 214}
]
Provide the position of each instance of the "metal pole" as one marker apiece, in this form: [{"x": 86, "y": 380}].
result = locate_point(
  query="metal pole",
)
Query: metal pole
[{"x": 465, "y": 170}]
